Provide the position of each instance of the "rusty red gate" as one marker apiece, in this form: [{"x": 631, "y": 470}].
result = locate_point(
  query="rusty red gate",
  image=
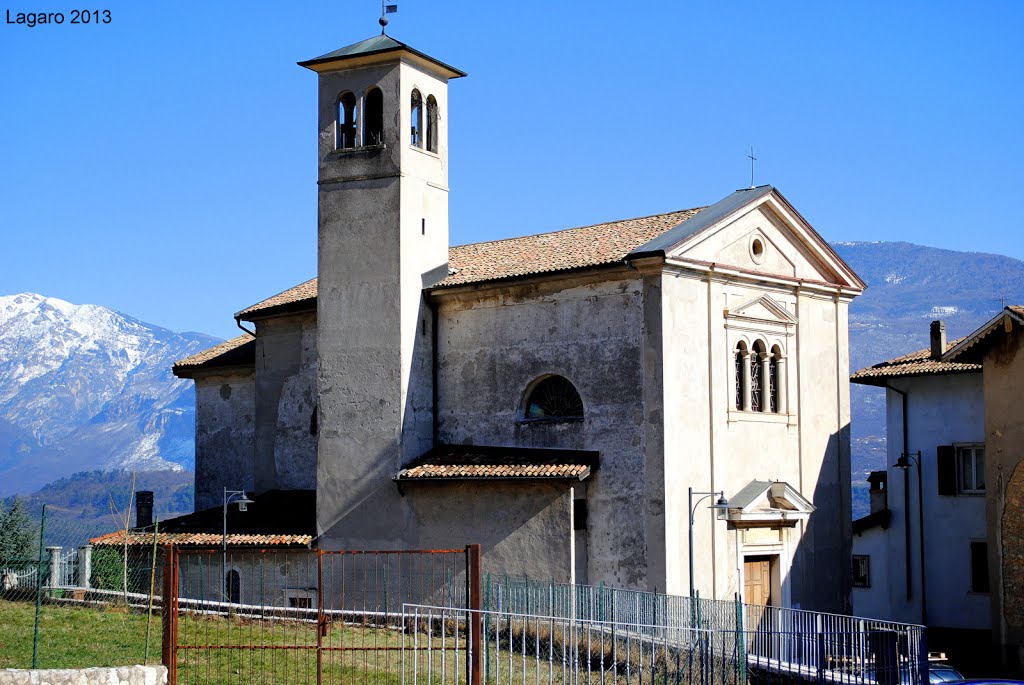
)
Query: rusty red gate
[{"x": 249, "y": 616}]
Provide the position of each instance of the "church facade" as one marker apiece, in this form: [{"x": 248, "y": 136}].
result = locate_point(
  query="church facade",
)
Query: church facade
[{"x": 553, "y": 397}]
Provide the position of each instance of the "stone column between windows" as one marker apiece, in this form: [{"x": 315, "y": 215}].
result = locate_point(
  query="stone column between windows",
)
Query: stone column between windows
[
  {"x": 766, "y": 383},
  {"x": 745, "y": 366},
  {"x": 780, "y": 385}
]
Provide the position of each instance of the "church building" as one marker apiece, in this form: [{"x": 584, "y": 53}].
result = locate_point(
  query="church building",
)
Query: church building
[{"x": 553, "y": 397}]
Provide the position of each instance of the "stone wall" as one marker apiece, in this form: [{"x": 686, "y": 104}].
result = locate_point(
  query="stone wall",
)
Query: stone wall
[{"x": 122, "y": 675}]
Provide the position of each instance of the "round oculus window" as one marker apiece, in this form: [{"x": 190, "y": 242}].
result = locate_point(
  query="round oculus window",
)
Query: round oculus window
[{"x": 757, "y": 248}]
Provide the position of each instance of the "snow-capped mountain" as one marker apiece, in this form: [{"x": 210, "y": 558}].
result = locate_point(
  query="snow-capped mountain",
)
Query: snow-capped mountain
[{"x": 85, "y": 387}]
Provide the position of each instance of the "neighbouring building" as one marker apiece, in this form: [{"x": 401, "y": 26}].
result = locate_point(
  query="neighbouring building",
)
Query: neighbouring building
[
  {"x": 935, "y": 413},
  {"x": 998, "y": 346},
  {"x": 552, "y": 396}
]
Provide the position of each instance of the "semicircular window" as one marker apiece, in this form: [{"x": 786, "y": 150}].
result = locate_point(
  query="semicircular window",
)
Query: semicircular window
[{"x": 553, "y": 399}]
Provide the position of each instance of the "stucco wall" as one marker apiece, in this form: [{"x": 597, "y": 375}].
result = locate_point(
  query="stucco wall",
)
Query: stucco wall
[
  {"x": 941, "y": 410},
  {"x": 494, "y": 344},
  {"x": 286, "y": 362},
  {"x": 225, "y": 434}
]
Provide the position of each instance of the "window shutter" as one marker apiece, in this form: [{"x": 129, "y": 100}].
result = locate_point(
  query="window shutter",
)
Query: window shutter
[{"x": 946, "y": 466}]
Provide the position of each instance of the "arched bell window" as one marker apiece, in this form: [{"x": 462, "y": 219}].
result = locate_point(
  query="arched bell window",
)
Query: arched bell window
[
  {"x": 757, "y": 379},
  {"x": 740, "y": 372},
  {"x": 552, "y": 398},
  {"x": 373, "y": 119},
  {"x": 348, "y": 124},
  {"x": 432, "y": 131},
  {"x": 416, "y": 110},
  {"x": 774, "y": 381}
]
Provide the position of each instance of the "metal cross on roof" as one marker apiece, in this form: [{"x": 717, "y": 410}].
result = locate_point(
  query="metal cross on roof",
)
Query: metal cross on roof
[
  {"x": 385, "y": 9},
  {"x": 752, "y": 160}
]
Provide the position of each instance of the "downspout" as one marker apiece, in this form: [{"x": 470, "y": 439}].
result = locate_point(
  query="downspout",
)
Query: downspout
[
  {"x": 238, "y": 322},
  {"x": 906, "y": 494}
]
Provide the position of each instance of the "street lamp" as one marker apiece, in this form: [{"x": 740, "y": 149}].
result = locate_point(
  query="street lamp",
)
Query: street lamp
[
  {"x": 243, "y": 505},
  {"x": 722, "y": 503},
  {"x": 903, "y": 463}
]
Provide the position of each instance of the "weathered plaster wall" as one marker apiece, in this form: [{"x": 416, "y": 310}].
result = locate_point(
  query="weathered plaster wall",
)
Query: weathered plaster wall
[
  {"x": 225, "y": 434},
  {"x": 122, "y": 675},
  {"x": 286, "y": 362},
  {"x": 523, "y": 528},
  {"x": 873, "y": 601},
  {"x": 494, "y": 344},
  {"x": 1003, "y": 371},
  {"x": 941, "y": 410}
]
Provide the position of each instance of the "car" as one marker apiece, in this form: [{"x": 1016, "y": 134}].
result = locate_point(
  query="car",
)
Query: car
[{"x": 938, "y": 672}]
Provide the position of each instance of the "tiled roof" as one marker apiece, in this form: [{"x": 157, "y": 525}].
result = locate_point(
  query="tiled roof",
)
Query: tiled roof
[
  {"x": 454, "y": 462},
  {"x": 877, "y": 518},
  {"x": 202, "y": 539},
  {"x": 240, "y": 350},
  {"x": 572, "y": 248},
  {"x": 300, "y": 293},
  {"x": 275, "y": 517},
  {"x": 969, "y": 349},
  {"x": 919, "y": 363}
]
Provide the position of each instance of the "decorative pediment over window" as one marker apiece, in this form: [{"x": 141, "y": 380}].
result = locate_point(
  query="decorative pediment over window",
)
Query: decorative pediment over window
[
  {"x": 768, "y": 503},
  {"x": 761, "y": 310}
]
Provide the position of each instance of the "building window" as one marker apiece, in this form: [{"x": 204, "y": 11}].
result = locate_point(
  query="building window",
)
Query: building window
[
  {"x": 300, "y": 602},
  {"x": 970, "y": 461},
  {"x": 979, "y": 566},
  {"x": 373, "y": 120},
  {"x": 553, "y": 398},
  {"x": 757, "y": 380},
  {"x": 773, "y": 379},
  {"x": 740, "y": 372},
  {"x": 233, "y": 587},
  {"x": 348, "y": 116},
  {"x": 431, "y": 123},
  {"x": 416, "y": 108},
  {"x": 861, "y": 570}
]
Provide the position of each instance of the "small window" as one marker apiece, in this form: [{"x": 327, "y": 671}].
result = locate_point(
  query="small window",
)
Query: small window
[
  {"x": 374, "y": 117},
  {"x": 431, "y": 123},
  {"x": 740, "y": 372},
  {"x": 348, "y": 116},
  {"x": 861, "y": 570},
  {"x": 300, "y": 602},
  {"x": 979, "y": 567},
  {"x": 416, "y": 109},
  {"x": 970, "y": 460},
  {"x": 233, "y": 587},
  {"x": 757, "y": 380},
  {"x": 579, "y": 514},
  {"x": 553, "y": 399}
]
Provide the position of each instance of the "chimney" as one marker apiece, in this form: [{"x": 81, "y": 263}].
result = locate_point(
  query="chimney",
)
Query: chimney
[
  {"x": 879, "y": 481},
  {"x": 938, "y": 336},
  {"x": 143, "y": 508}
]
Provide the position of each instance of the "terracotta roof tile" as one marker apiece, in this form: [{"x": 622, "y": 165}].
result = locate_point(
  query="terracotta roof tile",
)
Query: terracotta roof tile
[
  {"x": 971, "y": 349},
  {"x": 465, "y": 461},
  {"x": 572, "y": 248},
  {"x": 919, "y": 363},
  {"x": 238, "y": 350},
  {"x": 201, "y": 539}
]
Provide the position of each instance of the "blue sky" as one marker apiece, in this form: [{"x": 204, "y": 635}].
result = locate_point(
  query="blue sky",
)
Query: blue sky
[{"x": 164, "y": 164}]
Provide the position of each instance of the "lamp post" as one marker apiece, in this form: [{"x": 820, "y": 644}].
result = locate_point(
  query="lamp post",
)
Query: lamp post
[
  {"x": 722, "y": 503},
  {"x": 903, "y": 463},
  {"x": 243, "y": 505}
]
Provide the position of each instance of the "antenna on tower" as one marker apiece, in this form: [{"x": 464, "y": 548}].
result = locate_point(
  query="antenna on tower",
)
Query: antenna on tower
[
  {"x": 385, "y": 10},
  {"x": 752, "y": 159}
]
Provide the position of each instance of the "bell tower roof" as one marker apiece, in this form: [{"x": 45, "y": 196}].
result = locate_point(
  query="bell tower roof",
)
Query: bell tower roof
[{"x": 382, "y": 48}]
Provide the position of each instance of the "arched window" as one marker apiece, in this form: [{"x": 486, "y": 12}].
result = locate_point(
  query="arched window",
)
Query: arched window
[
  {"x": 757, "y": 380},
  {"x": 553, "y": 398},
  {"x": 740, "y": 371},
  {"x": 774, "y": 382},
  {"x": 348, "y": 116},
  {"x": 233, "y": 587},
  {"x": 432, "y": 131},
  {"x": 373, "y": 118},
  {"x": 416, "y": 108}
]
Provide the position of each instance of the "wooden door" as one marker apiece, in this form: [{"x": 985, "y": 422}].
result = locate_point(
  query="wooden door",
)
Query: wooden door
[{"x": 757, "y": 580}]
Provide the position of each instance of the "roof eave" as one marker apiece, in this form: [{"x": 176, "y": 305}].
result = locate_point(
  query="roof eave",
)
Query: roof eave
[{"x": 322, "y": 64}]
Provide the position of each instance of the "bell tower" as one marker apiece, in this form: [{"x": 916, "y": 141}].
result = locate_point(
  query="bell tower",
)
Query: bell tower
[{"x": 382, "y": 239}]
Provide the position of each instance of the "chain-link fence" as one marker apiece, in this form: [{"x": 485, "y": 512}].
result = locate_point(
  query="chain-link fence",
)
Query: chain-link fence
[{"x": 74, "y": 595}]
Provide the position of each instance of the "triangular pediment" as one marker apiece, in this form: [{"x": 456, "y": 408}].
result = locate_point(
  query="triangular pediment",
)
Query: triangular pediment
[
  {"x": 762, "y": 309},
  {"x": 767, "y": 502},
  {"x": 757, "y": 231}
]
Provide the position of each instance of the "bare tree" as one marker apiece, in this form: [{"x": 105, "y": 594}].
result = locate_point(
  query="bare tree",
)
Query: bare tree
[{"x": 123, "y": 519}]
